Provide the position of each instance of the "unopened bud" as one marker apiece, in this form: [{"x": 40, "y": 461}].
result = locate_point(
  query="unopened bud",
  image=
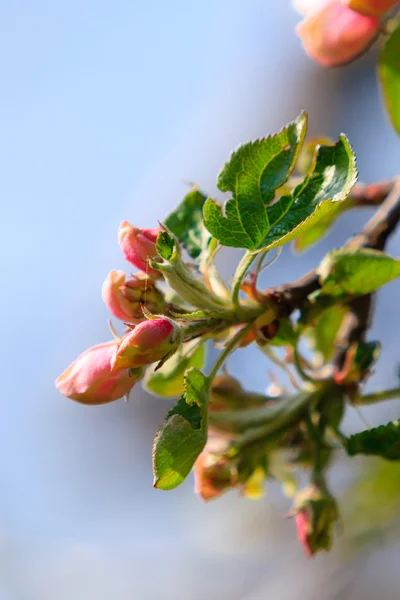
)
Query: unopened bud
[
  {"x": 138, "y": 246},
  {"x": 213, "y": 475},
  {"x": 148, "y": 342},
  {"x": 125, "y": 298},
  {"x": 316, "y": 514},
  {"x": 89, "y": 378},
  {"x": 334, "y": 34}
]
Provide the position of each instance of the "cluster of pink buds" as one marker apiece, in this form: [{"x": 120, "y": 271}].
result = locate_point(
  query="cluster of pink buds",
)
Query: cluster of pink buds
[
  {"x": 108, "y": 371},
  {"x": 335, "y": 32}
]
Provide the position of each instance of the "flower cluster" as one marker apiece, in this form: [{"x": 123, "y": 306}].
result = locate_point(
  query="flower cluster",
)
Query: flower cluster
[
  {"x": 109, "y": 371},
  {"x": 178, "y": 305}
]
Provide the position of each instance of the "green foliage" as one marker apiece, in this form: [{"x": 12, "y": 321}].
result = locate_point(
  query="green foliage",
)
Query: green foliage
[
  {"x": 356, "y": 271},
  {"x": 165, "y": 245},
  {"x": 253, "y": 173},
  {"x": 372, "y": 503},
  {"x": 389, "y": 74},
  {"x": 186, "y": 223},
  {"x": 168, "y": 381},
  {"x": 182, "y": 437},
  {"x": 322, "y": 334},
  {"x": 330, "y": 180},
  {"x": 251, "y": 220},
  {"x": 381, "y": 441},
  {"x": 312, "y": 235}
]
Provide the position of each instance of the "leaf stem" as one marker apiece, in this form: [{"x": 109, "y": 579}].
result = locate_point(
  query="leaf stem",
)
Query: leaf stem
[
  {"x": 377, "y": 397},
  {"x": 238, "y": 277},
  {"x": 299, "y": 366},
  {"x": 227, "y": 351},
  {"x": 280, "y": 363}
]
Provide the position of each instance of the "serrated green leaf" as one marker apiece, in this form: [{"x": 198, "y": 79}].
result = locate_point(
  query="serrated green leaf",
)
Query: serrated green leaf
[
  {"x": 165, "y": 245},
  {"x": 389, "y": 75},
  {"x": 186, "y": 223},
  {"x": 323, "y": 333},
  {"x": 253, "y": 173},
  {"x": 329, "y": 181},
  {"x": 381, "y": 441},
  {"x": 182, "y": 437},
  {"x": 168, "y": 380},
  {"x": 356, "y": 271}
]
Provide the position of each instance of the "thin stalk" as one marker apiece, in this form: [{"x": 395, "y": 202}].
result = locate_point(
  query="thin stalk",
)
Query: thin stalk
[
  {"x": 227, "y": 351},
  {"x": 342, "y": 439},
  {"x": 377, "y": 397},
  {"x": 299, "y": 366},
  {"x": 280, "y": 363},
  {"x": 238, "y": 277}
]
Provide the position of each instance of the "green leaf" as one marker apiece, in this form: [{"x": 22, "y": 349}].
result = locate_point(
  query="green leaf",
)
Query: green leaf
[
  {"x": 168, "y": 380},
  {"x": 323, "y": 333},
  {"x": 389, "y": 75},
  {"x": 165, "y": 245},
  {"x": 381, "y": 441},
  {"x": 253, "y": 173},
  {"x": 311, "y": 236},
  {"x": 356, "y": 271},
  {"x": 186, "y": 223},
  {"x": 332, "y": 175},
  {"x": 182, "y": 437}
]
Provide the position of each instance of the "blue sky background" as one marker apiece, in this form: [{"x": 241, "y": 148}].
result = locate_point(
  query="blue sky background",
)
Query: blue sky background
[{"x": 107, "y": 109}]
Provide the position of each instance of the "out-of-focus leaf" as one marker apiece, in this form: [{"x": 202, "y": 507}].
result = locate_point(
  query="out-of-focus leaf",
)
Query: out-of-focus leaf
[
  {"x": 381, "y": 441},
  {"x": 168, "y": 381},
  {"x": 356, "y": 271},
  {"x": 306, "y": 155},
  {"x": 323, "y": 333},
  {"x": 372, "y": 502},
  {"x": 389, "y": 74},
  {"x": 313, "y": 235},
  {"x": 182, "y": 437},
  {"x": 286, "y": 335},
  {"x": 186, "y": 223},
  {"x": 253, "y": 173}
]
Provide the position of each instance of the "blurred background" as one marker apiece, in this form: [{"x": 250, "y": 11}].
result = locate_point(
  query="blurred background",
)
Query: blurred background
[{"x": 107, "y": 111}]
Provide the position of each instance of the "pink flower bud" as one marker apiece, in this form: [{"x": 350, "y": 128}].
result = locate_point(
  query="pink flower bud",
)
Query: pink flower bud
[
  {"x": 148, "y": 342},
  {"x": 138, "y": 245},
  {"x": 125, "y": 298},
  {"x": 334, "y": 34},
  {"x": 372, "y": 8},
  {"x": 89, "y": 378}
]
